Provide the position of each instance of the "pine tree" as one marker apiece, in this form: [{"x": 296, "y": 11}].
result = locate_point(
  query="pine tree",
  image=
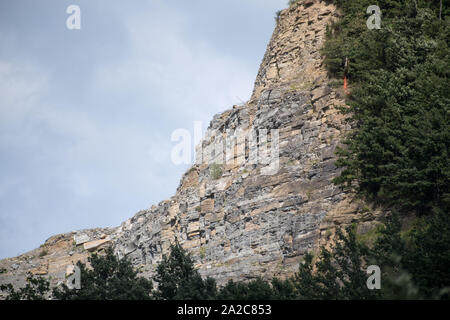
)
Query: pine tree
[
  {"x": 397, "y": 153},
  {"x": 107, "y": 278},
  {"x": 36, "y": 288},
  {"x": 178, "y": 279},
  {"x": 338, "y": 273}
]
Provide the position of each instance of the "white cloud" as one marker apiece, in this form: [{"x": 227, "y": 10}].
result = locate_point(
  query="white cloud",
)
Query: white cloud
[
  {"x": 21, "y": 88},
  {"x": 193, "y": 77}
]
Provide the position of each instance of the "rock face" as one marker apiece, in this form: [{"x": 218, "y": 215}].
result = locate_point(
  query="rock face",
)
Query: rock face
[
  {"x": 52, "y": 258},
  {"x": 238, "y": 217}
]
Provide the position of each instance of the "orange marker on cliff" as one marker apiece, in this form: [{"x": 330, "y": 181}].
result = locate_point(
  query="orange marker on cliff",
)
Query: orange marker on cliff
[{"x": 345, "y": 74}]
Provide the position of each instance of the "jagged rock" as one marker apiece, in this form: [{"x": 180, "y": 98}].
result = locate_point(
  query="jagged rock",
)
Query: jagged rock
[
  {"x": 93, "y": 245},
  {"x": 39, "y": 271},
  {"x": 81, "y": 238},
  {"x": 243, "y": 223}
]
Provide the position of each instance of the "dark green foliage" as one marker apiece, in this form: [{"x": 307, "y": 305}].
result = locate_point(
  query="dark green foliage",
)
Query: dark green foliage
[
  {"x": 283, "y": 289},
  {"x": 413, "y": 265},
  {"x": 36, "y": 288},
  {"x": 428, "y": 259},
  {"x": 340, "y": 273},
  {"x": 389, "y": 243},
  {"x": 388, "y": 253},
  {"x": 108, "y": 278},
  {"x": 398, "y": 152},
  {"x": 178, "y": 279},
  {"x": 399, "y": 102},
  {"x": 257, "y": 289}
]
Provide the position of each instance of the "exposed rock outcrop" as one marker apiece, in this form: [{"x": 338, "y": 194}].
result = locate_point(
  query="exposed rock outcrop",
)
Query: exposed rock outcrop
[{"x": 238, "y": 221}]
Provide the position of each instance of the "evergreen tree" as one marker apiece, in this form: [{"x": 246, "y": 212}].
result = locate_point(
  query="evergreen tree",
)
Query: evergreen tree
[
  {"x": 178, "y": 279},
  {"x": 283, "y": 289},
  {"x": 339, "y": 273},
  {"x": 257, "y": 289},
  {"x": 36, "y": 288},
  {"x": 389, "y": 254},
  {"x": 397, "y": 153},
  {"x": 107, "y": 278},
  {"x": 428, "y": 259}
]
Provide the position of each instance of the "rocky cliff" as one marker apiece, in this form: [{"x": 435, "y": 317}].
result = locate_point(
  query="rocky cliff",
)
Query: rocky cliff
[{"x": 242, "y": 218}]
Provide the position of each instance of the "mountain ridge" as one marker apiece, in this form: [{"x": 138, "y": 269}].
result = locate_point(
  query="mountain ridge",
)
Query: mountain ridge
[{"x": 243, "y": 224}]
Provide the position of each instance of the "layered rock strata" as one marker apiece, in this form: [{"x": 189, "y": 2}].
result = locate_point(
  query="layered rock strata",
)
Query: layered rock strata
[{"x": 242, "y": 217}]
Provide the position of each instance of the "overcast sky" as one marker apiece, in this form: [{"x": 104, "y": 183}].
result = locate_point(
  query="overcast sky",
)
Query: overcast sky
[{"x": 86, "y": 116}]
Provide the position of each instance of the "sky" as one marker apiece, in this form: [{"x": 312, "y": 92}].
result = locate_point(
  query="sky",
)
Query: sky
[{"x": 86, "y": 115}]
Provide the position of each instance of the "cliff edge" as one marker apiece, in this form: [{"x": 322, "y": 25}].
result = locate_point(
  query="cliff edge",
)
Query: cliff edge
[{"x": 241, "y": 219}]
